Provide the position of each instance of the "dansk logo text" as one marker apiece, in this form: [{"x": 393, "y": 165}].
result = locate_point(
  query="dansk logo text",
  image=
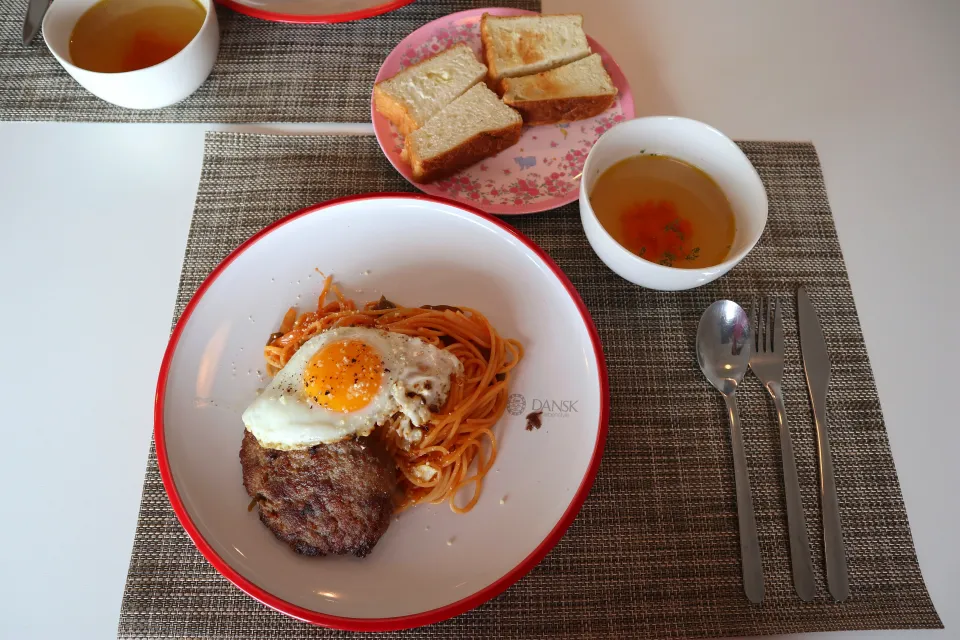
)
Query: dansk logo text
[{"x": 554, "y": 406}]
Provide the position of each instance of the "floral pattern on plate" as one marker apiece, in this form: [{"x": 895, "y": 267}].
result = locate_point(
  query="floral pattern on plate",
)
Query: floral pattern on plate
[{"x": 542, "y": 171}]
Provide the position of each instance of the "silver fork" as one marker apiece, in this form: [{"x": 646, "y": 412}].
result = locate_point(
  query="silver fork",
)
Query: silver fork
[{"x": 767, "y": 364}]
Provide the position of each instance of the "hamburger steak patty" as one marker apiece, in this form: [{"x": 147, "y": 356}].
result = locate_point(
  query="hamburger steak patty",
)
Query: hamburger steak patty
[{"x": 335, "y": 498}]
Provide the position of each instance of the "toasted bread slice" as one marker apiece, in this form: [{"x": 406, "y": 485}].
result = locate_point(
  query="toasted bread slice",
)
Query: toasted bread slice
[
  {"x": 475, "y": 126},
  {"x": 520, "y": 45},
  {"x": 414, "y": 95},
  {"x": 575, "y": 91}
]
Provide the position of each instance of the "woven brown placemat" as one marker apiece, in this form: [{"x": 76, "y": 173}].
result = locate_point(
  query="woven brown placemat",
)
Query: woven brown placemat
[
  {"x": 265, "y": 72},
  {"x": 654, "y": 552}
]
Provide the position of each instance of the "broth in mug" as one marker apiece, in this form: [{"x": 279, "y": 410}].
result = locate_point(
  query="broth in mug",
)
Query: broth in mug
[
  {"x": 114, "y": 36},
  {"x": 666, "y": 211}
]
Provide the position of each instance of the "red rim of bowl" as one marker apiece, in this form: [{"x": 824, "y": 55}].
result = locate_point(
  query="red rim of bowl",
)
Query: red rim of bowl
[
  {"x": 417, "y": 619},
  {"x": 330, "y": 18}
]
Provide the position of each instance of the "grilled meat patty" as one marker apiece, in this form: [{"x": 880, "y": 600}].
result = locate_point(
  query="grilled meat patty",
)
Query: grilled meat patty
[{"x": 329, "y": 499}]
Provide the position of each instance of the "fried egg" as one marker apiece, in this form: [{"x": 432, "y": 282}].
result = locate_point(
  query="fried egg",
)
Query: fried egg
[{"x": 344, "y": 382}]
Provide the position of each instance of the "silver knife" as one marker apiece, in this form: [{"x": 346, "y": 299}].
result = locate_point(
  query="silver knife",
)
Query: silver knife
[
  {"x": 31, "y": 24},
  {"x": 816, "y": 365}
]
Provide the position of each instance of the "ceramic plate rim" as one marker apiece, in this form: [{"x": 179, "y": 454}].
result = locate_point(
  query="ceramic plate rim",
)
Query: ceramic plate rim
[
  {"x": 626, "y": 99},
  {"x": 425, "y": 617},
  {"x": 329, "y": 18}
]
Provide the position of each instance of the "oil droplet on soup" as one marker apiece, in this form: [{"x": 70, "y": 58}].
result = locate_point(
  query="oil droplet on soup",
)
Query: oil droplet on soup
[
  {"x": 114, "y": 36},
  {"x": 666, "y": 211}
]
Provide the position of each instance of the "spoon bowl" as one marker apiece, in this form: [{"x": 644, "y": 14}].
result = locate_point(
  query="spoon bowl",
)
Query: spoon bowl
[{"x": 724, "y": 345}]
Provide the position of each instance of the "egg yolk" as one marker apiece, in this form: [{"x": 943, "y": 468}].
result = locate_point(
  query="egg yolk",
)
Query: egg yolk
[{"x": 343, "y": 376}]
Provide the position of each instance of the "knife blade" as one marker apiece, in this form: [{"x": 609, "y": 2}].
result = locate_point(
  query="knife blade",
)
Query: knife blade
[
  {"x": 816, "y": 367},
  {"x": 31, "y": 23}
]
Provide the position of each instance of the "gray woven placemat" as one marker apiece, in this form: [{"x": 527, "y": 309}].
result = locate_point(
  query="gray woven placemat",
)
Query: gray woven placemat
[
  {"x": 265, "y": 72},
  {"x": 654, "y": 552}
]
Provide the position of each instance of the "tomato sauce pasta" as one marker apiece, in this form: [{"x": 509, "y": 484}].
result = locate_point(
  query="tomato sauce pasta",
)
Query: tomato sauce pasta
[{"x": 458, "y": 446}]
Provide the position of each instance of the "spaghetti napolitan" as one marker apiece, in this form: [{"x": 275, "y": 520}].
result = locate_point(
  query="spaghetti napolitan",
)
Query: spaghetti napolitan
[{"x": 451, "y": 454}]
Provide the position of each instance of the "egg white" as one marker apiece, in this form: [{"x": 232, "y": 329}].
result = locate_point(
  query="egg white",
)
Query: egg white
[{"x": 416, "y": 378}]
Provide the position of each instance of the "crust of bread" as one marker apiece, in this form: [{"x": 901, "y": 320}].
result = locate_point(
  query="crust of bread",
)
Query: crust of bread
[
  {"x": 483, "y": 145},
  {"x": 488, "y": 55},
  {"x": 394, "y": 111},
  {"x": 558, "y": 110}
]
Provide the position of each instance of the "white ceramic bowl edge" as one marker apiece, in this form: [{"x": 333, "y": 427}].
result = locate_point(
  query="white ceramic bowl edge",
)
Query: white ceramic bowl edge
[
  {"x": 151, "y": 88},
  {"x": 700, "y": 145}
]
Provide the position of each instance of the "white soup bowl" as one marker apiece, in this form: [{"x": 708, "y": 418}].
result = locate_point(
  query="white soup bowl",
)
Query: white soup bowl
[
  {"x": 152, "y": 87},
  {"x": 695, "y": 143}
]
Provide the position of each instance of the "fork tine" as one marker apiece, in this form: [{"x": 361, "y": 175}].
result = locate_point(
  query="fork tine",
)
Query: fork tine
[
  {"x": 762, "y": 321},
  {"x": 768, "y": 319},
  {"x": 766, "y": 324},
  {"x": 769, "y": 335},
  {"x": 778, "y": 329},
  {"x": 760, "y": 326}
]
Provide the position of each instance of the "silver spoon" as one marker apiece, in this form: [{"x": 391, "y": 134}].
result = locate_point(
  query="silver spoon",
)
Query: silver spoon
[{"x": 724, "y": 344}]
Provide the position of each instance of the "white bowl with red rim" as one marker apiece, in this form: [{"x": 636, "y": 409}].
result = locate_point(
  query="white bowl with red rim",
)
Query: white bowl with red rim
[{"x": 431, "y": 564}]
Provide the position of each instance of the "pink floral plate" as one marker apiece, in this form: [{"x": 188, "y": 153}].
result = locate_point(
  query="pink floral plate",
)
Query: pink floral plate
[{"x": 540, "y": 172}]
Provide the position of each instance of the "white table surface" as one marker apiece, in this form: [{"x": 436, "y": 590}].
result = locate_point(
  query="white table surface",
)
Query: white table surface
[{"x": 95, "y": 220}]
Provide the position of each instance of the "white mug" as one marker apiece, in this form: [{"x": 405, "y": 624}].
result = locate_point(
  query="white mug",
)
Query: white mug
[
  {"x": 153, "y": 87},
  {"x": 695, "y": 143}
]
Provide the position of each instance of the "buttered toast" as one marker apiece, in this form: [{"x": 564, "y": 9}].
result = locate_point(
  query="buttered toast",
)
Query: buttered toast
[{"x": 410, "y": 98}]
